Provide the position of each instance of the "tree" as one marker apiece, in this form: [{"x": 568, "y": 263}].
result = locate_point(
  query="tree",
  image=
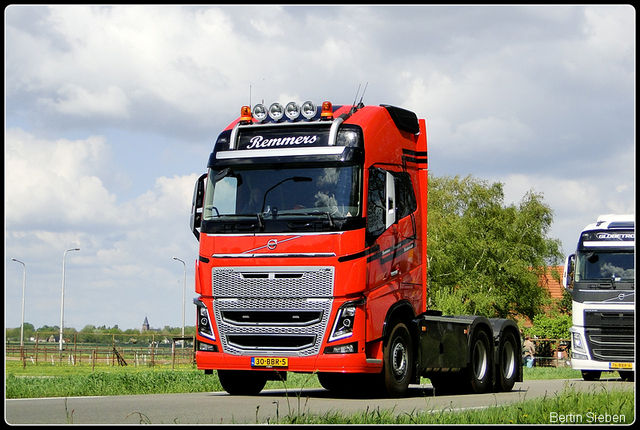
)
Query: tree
[{"x": 485, "y": 257}]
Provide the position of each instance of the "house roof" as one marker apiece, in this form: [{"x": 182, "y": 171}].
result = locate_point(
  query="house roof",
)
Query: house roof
[{"x": 554, "y": 287}]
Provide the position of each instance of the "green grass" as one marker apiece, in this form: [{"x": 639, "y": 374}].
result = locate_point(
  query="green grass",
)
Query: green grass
[
  {"x": 46, "y": 380},
  {"x": 62, "y": 380},
  {"x": 614, "y": 406}
]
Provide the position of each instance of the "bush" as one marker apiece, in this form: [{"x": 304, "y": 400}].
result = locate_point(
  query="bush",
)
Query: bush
[{"x": 550, "y": 327}]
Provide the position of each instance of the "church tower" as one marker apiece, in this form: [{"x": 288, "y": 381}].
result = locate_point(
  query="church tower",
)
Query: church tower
[{"x": 145, "y": 325}]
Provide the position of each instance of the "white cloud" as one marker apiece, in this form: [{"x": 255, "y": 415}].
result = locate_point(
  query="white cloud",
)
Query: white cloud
[
  {"x": 610, "y": 30},
  {"x": 55, "y": 181},
  {"x": 55, "y": 199},
  {"x": 97, "y": 97},
  {"x": 74, "y": 100},
  {"x": 171, "y": 196}
]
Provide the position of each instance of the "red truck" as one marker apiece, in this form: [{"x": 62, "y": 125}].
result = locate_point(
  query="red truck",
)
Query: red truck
[{"x": 312, "y": 223}]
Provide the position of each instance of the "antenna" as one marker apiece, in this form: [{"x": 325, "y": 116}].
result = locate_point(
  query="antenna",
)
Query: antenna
[
  {"x": 365, "y": 90},
  {"x": 249, "y": 95},
  {"x": 356, "y": 97}
]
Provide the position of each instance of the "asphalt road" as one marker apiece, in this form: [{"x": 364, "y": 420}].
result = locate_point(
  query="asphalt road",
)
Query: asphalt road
[{"x": 221, "y": 408}]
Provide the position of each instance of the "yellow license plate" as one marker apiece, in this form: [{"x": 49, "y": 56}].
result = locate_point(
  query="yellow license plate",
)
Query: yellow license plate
[
  {"x": 620, "y": 365},
  {"x": 269, "y": 361}
]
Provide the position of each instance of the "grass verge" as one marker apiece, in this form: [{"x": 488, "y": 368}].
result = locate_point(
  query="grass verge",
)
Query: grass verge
[
  {"x": 46, "y": 380},
  {"x": 568, "y": 407}
]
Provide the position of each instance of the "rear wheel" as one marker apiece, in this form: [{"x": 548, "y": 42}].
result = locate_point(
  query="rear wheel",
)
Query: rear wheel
[
  {"x": 507, "y": 362},
  {"x": 479, "y": 370},
  {"x": 398, "y": 360},
  {"x": 242, "y": 382}
]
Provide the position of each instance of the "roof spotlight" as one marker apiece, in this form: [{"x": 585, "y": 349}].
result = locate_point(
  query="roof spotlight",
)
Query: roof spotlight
[
  {"x": 276, "y": 111},
  {"x": 309, "y": 109},
  {"x": 292, "y": 110},
  {"x": 260, "y": 112}
]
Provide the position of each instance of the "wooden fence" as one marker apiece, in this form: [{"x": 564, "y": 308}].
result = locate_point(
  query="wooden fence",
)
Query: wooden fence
[
  {"x": 150, "y": 352},
  {"x": 552, "y": 352},
  {"x": 157, "y": 349}
]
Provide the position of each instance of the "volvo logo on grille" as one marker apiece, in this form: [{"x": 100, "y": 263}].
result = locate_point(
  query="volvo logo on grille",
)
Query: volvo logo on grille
[{"x": 272, "y": 244}]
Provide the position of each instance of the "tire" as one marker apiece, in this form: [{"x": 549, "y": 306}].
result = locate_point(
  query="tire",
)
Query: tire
[
  {"x": 333, "y": 382},
  {"x": 242, "y": 382},
  {"x": 591, "y": 375},
  {"x": 398, "y": 361},
  {"x": 627, "y": 375},
  {"x": 507, "y": 362},
  {"x": 351, "y": 384},
  {"x": 479, "y": 370}
]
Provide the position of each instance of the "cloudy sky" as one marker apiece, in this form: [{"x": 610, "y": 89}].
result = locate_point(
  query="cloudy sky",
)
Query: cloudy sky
[{"x": 111, "y": 113}]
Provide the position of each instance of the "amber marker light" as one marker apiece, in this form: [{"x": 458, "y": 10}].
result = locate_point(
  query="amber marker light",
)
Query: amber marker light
[
  {"x": 245, "y": 115},
  {"x": 327, "y": 111}
]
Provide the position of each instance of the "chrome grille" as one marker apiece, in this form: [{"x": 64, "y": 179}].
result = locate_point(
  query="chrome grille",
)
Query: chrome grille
[
  {"x": 610, "y": 335},
  {"x": 272, "y": 310},
  {"x": 611, "y": 345},
  {"x": 272, "y": 281},
  {"x": 242, "y": 338}
]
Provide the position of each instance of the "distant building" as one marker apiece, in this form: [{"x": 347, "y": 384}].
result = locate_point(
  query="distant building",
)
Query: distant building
[{"x": 145, "y": 325}]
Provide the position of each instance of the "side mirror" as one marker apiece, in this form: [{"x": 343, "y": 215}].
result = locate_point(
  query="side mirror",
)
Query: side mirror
[
  {"x": 567, "y": 274},
  {"x": 391, "y": 200},
  {"x": 197, "y": 203}
]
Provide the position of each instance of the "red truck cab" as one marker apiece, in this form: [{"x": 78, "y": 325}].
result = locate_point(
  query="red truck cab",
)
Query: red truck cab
[{"x": 312, "y": 226}]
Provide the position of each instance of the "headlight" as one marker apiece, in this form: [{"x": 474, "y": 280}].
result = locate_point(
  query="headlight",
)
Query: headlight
[
  {"x": 204, "y": 322},
  {"x": 577, "y": 343},
  {"x": 345, "y": 319}
]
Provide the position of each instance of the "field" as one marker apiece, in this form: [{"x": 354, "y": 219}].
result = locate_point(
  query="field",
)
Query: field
[{"x": 63, "y": 380}]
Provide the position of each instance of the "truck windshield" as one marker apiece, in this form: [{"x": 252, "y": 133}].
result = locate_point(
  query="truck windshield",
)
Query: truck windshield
[
  {"x": 269, "y": 193},
  {"x": 595, "y": 265}
]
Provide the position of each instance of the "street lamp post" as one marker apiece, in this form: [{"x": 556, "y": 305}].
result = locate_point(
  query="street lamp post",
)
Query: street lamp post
[
  {"x": 184, "y": 293},
  {"x": 24, "y": 285},
  {"x": 64, "y": 257}
]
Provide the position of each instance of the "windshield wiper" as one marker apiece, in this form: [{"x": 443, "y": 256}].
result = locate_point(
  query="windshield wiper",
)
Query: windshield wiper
[
  {"x": 329, "y": 217},
  {"x": 255, "y": 214}
]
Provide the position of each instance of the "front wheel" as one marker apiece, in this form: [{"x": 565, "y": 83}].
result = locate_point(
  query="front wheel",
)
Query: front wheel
[
  {"x": 398, "y": 361},
  {"x": 627, "y": 375},
  {"x": 591, "y": 375},
  {"x": 242, "y": 382}
]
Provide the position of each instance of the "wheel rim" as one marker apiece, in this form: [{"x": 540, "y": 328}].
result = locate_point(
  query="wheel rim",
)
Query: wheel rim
[
  {"x": 399, "y": 361},
  {"x": 509, "y": 360},
  {"x": 480, "y": 360}
]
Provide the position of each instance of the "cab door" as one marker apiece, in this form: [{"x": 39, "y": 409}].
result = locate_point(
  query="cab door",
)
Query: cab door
[
  {"x": 382, "y": 241},
  {"x": 380, "y": 237}
]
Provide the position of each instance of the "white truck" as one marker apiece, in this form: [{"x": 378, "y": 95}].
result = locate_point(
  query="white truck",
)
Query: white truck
[{"x": 600, "y": 278}]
